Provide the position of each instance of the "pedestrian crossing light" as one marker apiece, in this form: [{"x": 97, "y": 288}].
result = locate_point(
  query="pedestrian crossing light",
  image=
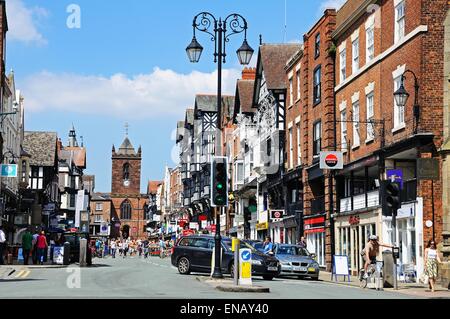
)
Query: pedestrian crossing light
[
  {"x": 219, "y": 181},
  {"x": 391, "y": 198}
]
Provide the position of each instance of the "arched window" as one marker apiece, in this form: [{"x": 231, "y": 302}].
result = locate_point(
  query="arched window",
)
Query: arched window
[
  {"x": 125, "y": 210},
  {"x": 126, "y": 171}
]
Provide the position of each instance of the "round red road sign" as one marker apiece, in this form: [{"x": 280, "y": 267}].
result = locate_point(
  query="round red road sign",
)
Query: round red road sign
[
  {"x": 331, "y": 160},
  {"x": 277, "y": 215}
]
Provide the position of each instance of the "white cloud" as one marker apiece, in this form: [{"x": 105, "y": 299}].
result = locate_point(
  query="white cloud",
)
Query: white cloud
[
  {"x": 336, "y": 4},
  {"x": 162, "y": 92},
  {"x": 22, "y": 22}
]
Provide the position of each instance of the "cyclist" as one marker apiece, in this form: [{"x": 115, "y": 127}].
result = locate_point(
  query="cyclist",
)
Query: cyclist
[{"x": 371, "y": 252}]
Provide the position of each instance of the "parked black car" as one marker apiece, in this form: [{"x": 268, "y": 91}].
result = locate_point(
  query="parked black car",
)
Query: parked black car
[
  {"x": 194, "y": 253},
  {"x": 74, "y": 240}
]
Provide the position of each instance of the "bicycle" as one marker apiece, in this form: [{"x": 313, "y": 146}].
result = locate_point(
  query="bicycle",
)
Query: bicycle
[{"x": 374, "y": 275}]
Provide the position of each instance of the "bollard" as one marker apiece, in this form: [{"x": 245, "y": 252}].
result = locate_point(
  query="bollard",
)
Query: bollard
[
  {"x": 66, "y": 253},
  {"x": 236, "y": 245},
  {"x": 83, "y": 247}
]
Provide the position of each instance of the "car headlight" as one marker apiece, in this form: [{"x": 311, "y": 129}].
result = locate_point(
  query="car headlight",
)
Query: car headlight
[
  {"x": 315, "y": 265},
  {"x": 256, "y": 262}
]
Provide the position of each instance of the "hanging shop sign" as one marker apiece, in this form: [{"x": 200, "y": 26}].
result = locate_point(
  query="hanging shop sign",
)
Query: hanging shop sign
[
  {"x": 331, "y": 160},
  {"x": 276, "y": 215},
  {"x": 262, "y": 226},
  {"x": 428, "y": 168},
  {"x": 353, "y": 220},
  {"x": 9, "y": 170}
]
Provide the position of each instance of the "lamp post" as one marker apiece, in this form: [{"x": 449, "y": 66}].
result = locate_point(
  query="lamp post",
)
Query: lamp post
[
  {"x": 401, "y": 97},
  {"x": 220, "y": 35}
]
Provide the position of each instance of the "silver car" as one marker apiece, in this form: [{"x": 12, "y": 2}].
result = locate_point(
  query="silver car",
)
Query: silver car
[{"x": 296, "y": 261}]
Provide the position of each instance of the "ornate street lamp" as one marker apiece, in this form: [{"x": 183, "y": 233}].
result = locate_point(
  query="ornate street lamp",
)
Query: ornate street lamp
[
  {"x": 401, "y": 97},
  {"x": 220, "y": 35}
]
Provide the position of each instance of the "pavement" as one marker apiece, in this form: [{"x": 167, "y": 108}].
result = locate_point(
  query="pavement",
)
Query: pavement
[{"x": 410, "y": 288}]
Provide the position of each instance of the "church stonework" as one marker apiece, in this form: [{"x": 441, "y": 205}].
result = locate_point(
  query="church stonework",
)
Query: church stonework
[{"x": 127, "y": 200}]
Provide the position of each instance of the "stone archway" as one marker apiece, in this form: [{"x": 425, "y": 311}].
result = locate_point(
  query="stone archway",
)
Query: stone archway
[{"x": 125, "y": 231}]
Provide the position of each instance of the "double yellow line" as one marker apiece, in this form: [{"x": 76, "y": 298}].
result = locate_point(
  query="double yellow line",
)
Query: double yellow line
[{"x": 23, "y": 274}]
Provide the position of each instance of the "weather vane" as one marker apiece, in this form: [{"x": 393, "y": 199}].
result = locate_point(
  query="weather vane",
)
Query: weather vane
[{"x": 126, "y": 129}]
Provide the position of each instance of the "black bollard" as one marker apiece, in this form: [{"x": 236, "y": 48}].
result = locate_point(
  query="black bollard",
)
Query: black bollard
[{"x": 66, "y": 260}]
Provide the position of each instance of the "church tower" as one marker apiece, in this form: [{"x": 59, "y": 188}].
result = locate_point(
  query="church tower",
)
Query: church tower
[{"x": 126, "y": 169}]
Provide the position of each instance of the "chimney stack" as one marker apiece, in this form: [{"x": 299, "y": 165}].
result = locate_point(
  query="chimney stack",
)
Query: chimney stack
[{"x": 248, "y": 73}]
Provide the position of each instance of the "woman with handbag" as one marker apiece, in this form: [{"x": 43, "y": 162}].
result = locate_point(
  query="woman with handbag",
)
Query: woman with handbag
[{"x": 431, "y": 263}]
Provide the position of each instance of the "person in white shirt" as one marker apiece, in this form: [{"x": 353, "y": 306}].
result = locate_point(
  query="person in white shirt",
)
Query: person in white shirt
[
  {"x": 432, "y": 259},
  {"x": 2, "y": 244},
  {"x": 113, "y": 248}
]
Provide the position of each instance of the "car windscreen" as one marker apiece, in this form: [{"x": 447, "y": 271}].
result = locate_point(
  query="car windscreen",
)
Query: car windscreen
[
  {"x": 242, "y": 245},
  {"x": 292, "y": 250}
]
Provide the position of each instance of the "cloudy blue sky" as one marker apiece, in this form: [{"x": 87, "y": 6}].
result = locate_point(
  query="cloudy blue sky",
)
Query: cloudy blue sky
[{"x": 127, "y": 63}]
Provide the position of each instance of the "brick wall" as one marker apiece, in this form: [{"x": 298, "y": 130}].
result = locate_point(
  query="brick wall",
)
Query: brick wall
[{"x": 117, "y": 186}]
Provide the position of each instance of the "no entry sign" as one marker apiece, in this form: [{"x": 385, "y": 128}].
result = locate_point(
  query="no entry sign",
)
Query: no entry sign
[{"x": 331, "y": 160}]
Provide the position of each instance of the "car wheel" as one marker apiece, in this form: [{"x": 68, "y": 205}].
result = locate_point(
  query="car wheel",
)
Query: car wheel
[
  {"x": 268, "y": 277},
  {"x": 231, "y": 268},
  {"x": 184, "y": 266}
]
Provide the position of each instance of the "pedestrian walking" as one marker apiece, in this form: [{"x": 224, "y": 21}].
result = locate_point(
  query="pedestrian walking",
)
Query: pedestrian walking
[
  {"x": 302, "y": 242},
  {"x": 125, "y": 248},
  {"x": 35, "y": 250},
  {"x": 162, "y": 246},
  {"x": 120, "y": 245},
  {"x": 41, "y": 247},
  {"x": 113, "y": 248},
  {"x": 432, "y": 259},
  {"x": 27, "y": 245},
  {"x": 2, "y": 244},
  {"x": 146, "y": 243}
]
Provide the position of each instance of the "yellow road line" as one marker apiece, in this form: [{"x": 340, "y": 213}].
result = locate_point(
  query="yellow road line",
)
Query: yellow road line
[
  {"x": 26, "y": 274},
  {"x": 20, "y": 273}
]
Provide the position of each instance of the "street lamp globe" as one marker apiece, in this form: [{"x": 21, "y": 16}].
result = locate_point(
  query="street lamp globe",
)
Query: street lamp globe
[
  {"x": 245, "y": 53},
  {"x": 194, "y": 51},
  {"x": 401, "y": 96}
]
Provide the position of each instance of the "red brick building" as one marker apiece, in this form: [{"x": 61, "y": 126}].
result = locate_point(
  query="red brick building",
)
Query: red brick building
[
  {"x": 311, "y": 115},
  {"x": 376, "y": 43},
  {"x": 127, "y": 200}
]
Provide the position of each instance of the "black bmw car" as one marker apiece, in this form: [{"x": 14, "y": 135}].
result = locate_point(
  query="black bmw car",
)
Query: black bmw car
[{"x": 194, "y": 253}]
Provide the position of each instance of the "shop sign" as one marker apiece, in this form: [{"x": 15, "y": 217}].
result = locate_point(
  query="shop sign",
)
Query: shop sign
[
  {"x": 331, "y": 160},
  {"x": 262, "y": 217},
  {"x": 9, "y": 170},
  {"x": 353, "y": 220},
  {"x": 276, "y": 215},
  {"x": 262, "y": 226},
  {"x": 395, "y": 175},
  {"x": 193, "y": 226},
  {"x": 188, "y": 232},
  {"x": 314, "y": 225},
  {"x": 202, "y": 217},
  {"x": 428, "y": 168}
]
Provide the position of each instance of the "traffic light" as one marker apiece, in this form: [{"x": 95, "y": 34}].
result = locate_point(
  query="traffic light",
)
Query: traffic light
[
  {"x": 219, "y": 181},
  {"x": 391, "y": 197}
]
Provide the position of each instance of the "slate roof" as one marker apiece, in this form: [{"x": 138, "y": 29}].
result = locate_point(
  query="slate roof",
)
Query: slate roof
[
  {"x": 41, "y": 146},
  {"x": 273, "y": 58},
  {"x": 244, "y": 96},
  {"x": 100, "y": 197},
  {"x": 189, "y": 116},
  {"x": 208, "y": 103}
]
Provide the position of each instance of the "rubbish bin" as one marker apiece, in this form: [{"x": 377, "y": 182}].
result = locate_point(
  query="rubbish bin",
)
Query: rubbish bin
[{"x": 388, "y": 269}]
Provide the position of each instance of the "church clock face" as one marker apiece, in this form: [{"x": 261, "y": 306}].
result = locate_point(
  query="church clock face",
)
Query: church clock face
[{"x": 126, "y": 183}]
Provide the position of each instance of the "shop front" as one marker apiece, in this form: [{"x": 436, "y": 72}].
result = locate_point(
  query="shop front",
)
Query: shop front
[
  {"x": 262, "y": 226},
  {"x": 314, "y": 230},
  {"x": 408, "y": 235},
  {"x": 290, "y": 230},
  {"x": 352, "y": 232}
]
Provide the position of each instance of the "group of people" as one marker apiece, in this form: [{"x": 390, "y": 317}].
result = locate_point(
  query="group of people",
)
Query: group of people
[
  {"x": 33, "y": 245},
  {"x": 131, "y": 247},
  {"x": 268, "y": 246},
  {"x": 431, "y": 260}
]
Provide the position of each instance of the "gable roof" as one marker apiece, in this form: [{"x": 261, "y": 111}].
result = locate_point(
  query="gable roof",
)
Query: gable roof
[
  {"x": 244, "y": 96},
  {"x": 189, "y": 119},
  {"x": 41, "y": 146},
  {"x": 152, "y": 186},
  {"x": 100, "y": 197},
  {"x": 78, "y": 155},
  {"x": 272, "y": 58}
]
